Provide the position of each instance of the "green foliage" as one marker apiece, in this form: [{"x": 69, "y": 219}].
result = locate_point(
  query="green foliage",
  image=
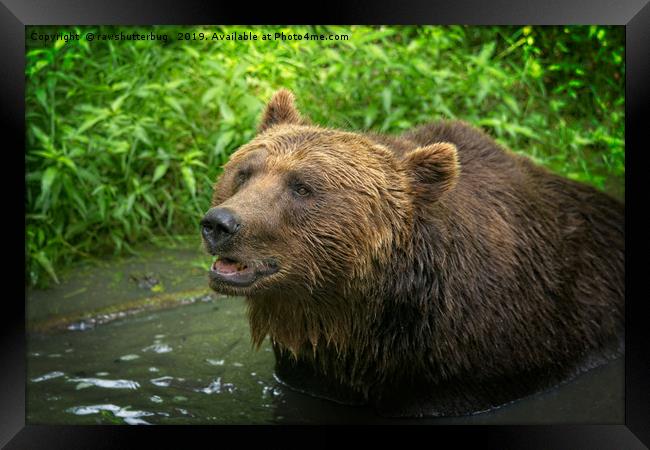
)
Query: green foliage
[{"x": 125, "y": 138}]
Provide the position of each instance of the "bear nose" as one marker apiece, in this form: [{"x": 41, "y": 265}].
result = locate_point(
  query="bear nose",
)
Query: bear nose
[{"x": 219, "y": 224}]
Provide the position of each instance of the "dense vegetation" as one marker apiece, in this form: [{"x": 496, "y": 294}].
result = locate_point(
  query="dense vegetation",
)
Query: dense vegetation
[{"x": 125, "y": 138}]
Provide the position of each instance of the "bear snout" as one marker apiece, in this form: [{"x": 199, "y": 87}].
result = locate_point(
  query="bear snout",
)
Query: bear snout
[{"x": 218, "y": 226}]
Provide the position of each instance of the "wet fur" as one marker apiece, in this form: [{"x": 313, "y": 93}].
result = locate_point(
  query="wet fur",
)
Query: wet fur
[{"x": 443, "y": 274}]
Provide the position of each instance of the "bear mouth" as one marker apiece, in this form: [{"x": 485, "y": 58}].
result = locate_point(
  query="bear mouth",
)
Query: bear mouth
[{"x": 230, "y": 271}]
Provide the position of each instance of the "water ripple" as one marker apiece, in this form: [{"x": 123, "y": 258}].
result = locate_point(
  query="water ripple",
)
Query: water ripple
[
  {"x": 48, "y": 376},
  {"x": 130, "y": 417},
  {"x": 216, "y": 387},
  {"x": 162, "y": 381},
  {"x": 110, "y": 384},
  {"x": 158, "y": 348}
]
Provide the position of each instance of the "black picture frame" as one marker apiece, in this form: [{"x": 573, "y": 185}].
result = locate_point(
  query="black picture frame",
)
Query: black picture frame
[{"x": 16, "y": 14}]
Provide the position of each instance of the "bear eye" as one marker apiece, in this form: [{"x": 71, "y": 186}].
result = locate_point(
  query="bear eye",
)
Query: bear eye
[
  {"x": 301, "y": 190},
  {"x": 297, "y": 186}
]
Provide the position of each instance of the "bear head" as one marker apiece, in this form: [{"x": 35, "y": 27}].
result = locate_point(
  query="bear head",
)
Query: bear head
[{"x": 306, "y": 221}]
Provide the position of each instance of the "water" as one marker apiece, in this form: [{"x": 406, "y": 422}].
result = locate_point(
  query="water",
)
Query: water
[{"x": 194, "y": 364}]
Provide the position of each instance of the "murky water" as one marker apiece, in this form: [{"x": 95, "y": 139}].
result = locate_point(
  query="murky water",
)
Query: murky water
[{"x": 194, "y": 364}]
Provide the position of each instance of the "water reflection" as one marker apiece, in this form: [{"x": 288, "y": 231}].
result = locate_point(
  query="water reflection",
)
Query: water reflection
[
  {"x": 162, "y": 381},
  {"x": 47, "y": 376},
  {"x": 102, "y": 383},
  {"x": 129, "y": 417},
  {"x": 158, "y": 348}
]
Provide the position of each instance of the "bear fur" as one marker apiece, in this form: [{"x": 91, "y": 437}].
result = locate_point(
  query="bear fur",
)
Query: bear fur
[{"x": 431, "y": 273}]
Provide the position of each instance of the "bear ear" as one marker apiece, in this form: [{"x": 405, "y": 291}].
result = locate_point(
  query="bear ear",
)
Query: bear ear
[
  {"x": 433, "y": 170},
  {"x": 280, "y": 109}
]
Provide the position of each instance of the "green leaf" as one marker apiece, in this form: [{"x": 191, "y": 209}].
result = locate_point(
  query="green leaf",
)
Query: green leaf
[
  {"x": 67, "y": 162},
  {"x": 386, "y": 98},
  {"x": 512, "y": 104},
  {"x": 47, "y": 180},
  {"x": 129, "y": 202},
  {"x": 379, "y": 35},
  {"x": 226, "y": 112},
  {"x": 117, "y": 103},
  {"x": 141, "y": 134},
  {"x": 197, "y": 163},
  {"x": 41, "y": 136},
  {"x": 486, "y": 53},
  {"x": 150, "y": 200},
  {"x": 223, "y": 141},
  {"x": 520, "y": 129},
  {"x": 171, "y": 101},
  {"x": 91, "y": 122},
  {"x": 171, "y": 85},
  {"x": 160, "y": 171},
  {"x": 38, "y": 65},
  {"x": 210, "y": 94},
  {"x": 119, "y": 86},
  {"x": 378, "y": 53},
  {"x": 47, "y": 265},
  {"x": 142, "y": 212},
  {"x": 190, "y": 181},
  {"x": 192, "y": 51},
  {"x": 70, "y": 190},
  {"x": 41, "y": 96}
]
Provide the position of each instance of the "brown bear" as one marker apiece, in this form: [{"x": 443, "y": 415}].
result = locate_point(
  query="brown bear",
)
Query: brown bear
[{"x": 432, "y": 273}]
